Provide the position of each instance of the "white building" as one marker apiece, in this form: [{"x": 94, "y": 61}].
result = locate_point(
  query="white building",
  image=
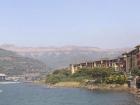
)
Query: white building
[{"x": 2, "y": 77}]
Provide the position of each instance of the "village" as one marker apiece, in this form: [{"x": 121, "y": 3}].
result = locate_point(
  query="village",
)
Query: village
[
  {"x": 26, "y": 77},
  {"x": 126, "y": 63}
]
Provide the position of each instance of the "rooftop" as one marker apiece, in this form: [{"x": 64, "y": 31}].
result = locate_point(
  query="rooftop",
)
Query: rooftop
[
  {"x": 137, "y": 46},
  {"x": 2, "y": 74}
]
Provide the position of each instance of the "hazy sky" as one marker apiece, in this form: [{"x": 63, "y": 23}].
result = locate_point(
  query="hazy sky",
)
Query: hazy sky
[{"x": 100, "y": 23}]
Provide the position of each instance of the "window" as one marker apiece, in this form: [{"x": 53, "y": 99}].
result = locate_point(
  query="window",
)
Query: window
[{"x": 139, "y": 62}]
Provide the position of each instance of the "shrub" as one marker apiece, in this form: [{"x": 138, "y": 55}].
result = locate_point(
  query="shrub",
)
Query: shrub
[
  {"x": 116, "y": 79},
  {"x": 98, "y": 75},
  {"x": 136, "y": 71}
]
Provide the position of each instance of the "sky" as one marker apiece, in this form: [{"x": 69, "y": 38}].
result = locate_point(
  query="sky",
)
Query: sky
[{"x": 97, "y": 23}]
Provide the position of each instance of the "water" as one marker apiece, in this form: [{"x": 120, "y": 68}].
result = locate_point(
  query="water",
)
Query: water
[{"x": 28, "y": 94}]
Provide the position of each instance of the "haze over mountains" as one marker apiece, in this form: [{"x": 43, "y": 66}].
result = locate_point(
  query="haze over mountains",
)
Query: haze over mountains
[
  {"x": 13, "y": 64},
  {"x": 60, "y": 57}
]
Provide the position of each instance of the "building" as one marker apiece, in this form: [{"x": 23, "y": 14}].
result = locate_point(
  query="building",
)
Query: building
[
  {"x": 31, "y": 76},
  {"x": 126, "y": 62},
  {"x": 132, "y": 59},
  {"x": 2, "y": 77},
  {"x": 117, "y": 63}
]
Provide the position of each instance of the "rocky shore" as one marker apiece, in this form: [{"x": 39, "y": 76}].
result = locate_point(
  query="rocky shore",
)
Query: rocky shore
[
  {"x": 116, "y": 87},
  {"x": 105, "y": 87}
]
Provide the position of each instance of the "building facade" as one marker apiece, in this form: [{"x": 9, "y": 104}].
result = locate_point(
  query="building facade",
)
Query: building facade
[
  {"x": 31, "y": 76},
  {"x": 118, "y": 64},
  {"x": 126, "y": 62},
  {"x": 132, "y": 59}
]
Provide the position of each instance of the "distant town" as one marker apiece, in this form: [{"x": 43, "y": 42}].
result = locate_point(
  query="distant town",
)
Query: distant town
[
  {"x": 26, "y": 77},
  {"x": 126, "y": 62}
]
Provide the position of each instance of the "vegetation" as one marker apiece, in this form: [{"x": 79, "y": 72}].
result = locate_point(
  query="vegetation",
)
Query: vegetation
[
  {"x": 85, "y": 75},
  {"x": 136, "y": 71},
  {"x": 14, "y": 64},
  {"x": 58, "y": 76}
]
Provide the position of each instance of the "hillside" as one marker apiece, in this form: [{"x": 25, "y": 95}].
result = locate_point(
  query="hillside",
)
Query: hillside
[
  {"x": 14, "y": 64},
  {"x": 60, "y": 57}
]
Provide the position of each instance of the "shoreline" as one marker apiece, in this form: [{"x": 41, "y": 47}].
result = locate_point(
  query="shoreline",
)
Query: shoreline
[
  {"x": 114, "y": 87},
  {"x": 99, "y": 87},
  {"x": 65, "y": 85},
  {"x": 107, "y": 87}
]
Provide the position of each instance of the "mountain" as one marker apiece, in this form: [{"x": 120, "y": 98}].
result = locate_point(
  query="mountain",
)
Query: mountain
[
  {"x": 13, "y": 64},
  {"x": 60, "y": 57}
]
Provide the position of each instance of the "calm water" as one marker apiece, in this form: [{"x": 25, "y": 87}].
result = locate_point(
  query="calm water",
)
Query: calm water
[{"x": 27, "y": 94}]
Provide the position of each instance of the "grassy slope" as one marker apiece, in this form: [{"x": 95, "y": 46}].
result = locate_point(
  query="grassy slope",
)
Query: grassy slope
[{"x": 13, "y": 64}]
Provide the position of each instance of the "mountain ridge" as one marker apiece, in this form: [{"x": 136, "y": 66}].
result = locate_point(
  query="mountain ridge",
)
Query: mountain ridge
[
  {"x": 12, "y": 63},
  {"x": 63, "y": 48},
  {"x": 61, "y": 57}
]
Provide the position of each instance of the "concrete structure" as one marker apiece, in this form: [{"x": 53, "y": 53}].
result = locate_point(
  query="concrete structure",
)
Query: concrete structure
[
  {"x": 126, "y": 62},
  {"x": 31, "y": 76},
  {"x": 15, "y": 78},
  {"x": 132, "y": 59},
  {"x": 117, "y": 64},
  {"x": 2, "y": 77}
]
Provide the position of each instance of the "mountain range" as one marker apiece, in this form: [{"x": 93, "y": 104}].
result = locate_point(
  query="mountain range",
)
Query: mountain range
[
  {"x": 12, "y": 63},
  {"x": 61, "y": 57}
]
